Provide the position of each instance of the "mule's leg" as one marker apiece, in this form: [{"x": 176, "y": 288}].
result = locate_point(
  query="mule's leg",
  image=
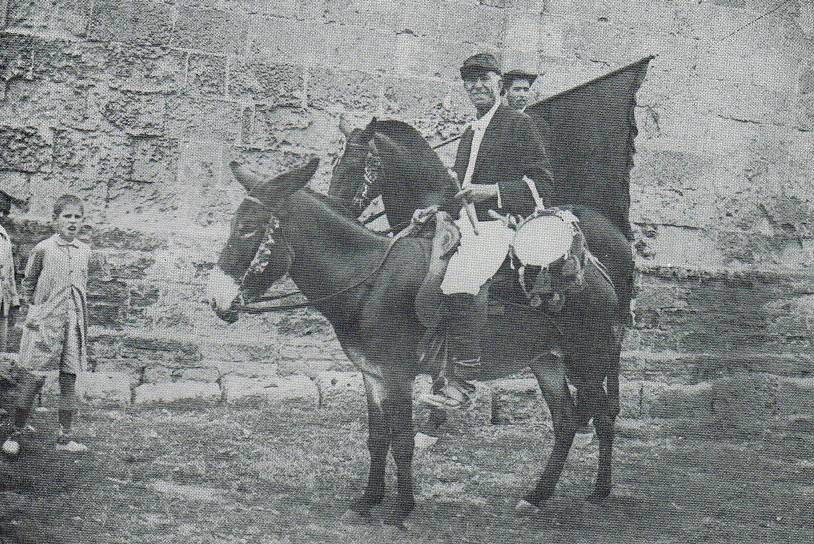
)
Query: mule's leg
[
  {"x": 398, "y": 408},
  {"x": 604, "y": 421},
  {"x": 550, "y": 373},
  {"x": 378, "y": 443}
]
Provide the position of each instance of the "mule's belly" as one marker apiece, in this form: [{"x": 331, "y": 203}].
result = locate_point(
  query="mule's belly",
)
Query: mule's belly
[{"x": 512, "y": 338}]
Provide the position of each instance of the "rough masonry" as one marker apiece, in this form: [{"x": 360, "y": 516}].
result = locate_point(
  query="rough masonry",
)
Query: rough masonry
[{"x": 138, "y": 105}]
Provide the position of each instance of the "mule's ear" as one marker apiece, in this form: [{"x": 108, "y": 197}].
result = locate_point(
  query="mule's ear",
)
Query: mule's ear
[
  {"x": 248, "y": 180},
  {"x": 303, "y": 174},
  {"x": 287, "y": 184}
]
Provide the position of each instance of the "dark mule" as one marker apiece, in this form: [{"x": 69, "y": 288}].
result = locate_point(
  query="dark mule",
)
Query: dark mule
[{"x": 366, "y": 285}]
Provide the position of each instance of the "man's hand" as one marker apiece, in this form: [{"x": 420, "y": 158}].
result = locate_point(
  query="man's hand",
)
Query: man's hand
[
  {"x": 421, "y": 215},
  {"x": 477, "y": 193}
]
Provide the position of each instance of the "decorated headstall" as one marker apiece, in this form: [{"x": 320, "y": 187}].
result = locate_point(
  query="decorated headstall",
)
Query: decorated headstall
[
  {"x": 373, "y": 167},
  {"x": 262, "y": 258}
]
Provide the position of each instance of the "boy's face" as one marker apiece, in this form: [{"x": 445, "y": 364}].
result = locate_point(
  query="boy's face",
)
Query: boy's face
[{"x": 69, "y": 222}]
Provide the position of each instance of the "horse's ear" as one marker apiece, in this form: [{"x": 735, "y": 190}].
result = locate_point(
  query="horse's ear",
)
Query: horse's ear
[
  {"x": 344, "y": 127},
  {"x": 248, "y": 180}
]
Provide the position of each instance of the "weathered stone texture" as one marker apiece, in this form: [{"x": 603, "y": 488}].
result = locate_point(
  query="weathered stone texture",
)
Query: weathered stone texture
[{"x": 138, "y": 106}]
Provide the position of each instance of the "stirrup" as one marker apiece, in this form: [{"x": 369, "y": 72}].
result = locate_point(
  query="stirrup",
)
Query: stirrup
[{"x": 454, "y": 395}]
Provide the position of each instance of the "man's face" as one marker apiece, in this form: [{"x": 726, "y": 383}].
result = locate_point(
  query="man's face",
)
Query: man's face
[
  {"x": 483, "y": 89},
  {"x": 517, "y": 95}
]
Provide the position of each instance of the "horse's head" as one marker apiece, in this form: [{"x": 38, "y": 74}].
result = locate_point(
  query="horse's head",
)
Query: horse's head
[
  {"x": 256, "y": 253},
  {"x": 347, "y": 180},
  {"x": 411, "y": 174}
]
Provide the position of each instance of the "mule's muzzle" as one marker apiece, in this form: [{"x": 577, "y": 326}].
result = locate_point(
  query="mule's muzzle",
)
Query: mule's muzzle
[{"x": 223, "y": 294}]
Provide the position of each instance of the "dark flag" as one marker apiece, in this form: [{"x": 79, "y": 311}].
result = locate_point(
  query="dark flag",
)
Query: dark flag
[{"x": 589, "y": 132}]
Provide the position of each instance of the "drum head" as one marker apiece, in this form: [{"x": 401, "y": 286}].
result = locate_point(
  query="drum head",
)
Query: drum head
[{"x": 542, "y": 240}]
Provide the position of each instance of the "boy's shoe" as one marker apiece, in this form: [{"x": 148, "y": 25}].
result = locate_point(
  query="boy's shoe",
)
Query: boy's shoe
[
  {"x": 11, "y": 446},
  {"x": 66, "y": 443}
]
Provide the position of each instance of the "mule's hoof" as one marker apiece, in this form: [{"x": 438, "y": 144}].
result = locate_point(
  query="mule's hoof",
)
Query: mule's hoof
[
  {"x": 424, "y": 441},
  {"x": 525, "y": 508},
  {"x": 597, "y": 499},
  {"x": 398, "y": 525},
  {"x": 352, "y": 516}
]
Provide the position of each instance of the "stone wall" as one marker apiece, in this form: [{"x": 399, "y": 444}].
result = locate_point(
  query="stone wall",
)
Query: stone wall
[{"x": 138, "y": 105}]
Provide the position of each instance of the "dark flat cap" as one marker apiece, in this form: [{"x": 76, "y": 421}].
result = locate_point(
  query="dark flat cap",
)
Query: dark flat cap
[
  {"x": 6, "y": 200},
  {"x": 481, "y": 62},
  {"x": 511, "y": 75}
]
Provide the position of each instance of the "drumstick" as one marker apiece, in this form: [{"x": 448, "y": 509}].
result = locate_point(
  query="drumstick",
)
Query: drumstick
[{"x": 469, "y": 207}]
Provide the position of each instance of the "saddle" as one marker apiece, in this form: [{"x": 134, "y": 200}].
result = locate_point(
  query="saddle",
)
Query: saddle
[{"x": 546, "y": 261}]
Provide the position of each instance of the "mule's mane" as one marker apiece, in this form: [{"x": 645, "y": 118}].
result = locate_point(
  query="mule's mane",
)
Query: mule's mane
[{"x": 412, "y": 161}]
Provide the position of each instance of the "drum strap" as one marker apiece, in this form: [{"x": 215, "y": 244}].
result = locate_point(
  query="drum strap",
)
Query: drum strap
[{"x": 538, "y": 202}]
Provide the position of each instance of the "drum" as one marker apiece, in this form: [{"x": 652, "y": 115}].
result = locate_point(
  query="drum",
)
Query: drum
[{"x": 544, "y": 238}]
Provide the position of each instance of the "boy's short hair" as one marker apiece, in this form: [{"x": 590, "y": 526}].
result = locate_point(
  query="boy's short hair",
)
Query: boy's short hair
[{"x": 68, "y": 200}]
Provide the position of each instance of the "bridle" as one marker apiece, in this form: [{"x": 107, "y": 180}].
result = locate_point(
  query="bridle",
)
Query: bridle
[{"x": 262, "y": 259}]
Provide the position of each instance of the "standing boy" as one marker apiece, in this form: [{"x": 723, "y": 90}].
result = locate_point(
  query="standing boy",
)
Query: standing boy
[{"x": 55, "y": 331}]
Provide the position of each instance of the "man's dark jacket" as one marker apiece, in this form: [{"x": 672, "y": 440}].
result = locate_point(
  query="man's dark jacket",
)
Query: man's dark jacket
[{"x": 511, "y": 148}]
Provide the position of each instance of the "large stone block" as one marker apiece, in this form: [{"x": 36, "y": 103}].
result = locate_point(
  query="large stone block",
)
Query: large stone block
[
  {"x": 144, "y": 69},
  {"x": 169, "y": 393},
  {"x": 272, "y": 39},
  {"x": 107, "y": 387},
  {"x": 155, "y": 160},
  {"x": 198, "y": 118},
  {"x": 27, "y": 149},
  {"x": 210, "y": 31},
  {"x": 137, "y": 114},
  {"x": 266, "y": 82},
  {"x": 59, "y": 17},
  {"x": 353, "y": 90},
  {"x": 206, "y": 75},
  {"x": 132, "y": 21},
  {"x": 382, "y": 14},
  {"x": 414, "y": 97},
  {"x": 340, "y": 390},
  {"x": 297, "y": 389}
]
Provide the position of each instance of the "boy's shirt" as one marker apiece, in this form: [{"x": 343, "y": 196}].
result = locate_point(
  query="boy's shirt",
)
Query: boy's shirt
[
  {"x": 8, "y": 287},
  {"x": 45, "y": 273}
]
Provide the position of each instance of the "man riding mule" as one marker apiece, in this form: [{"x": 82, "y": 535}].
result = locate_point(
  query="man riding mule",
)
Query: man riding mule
[
  {"x": 503, "y": 166},
  {"x": 367, "y": 286}
]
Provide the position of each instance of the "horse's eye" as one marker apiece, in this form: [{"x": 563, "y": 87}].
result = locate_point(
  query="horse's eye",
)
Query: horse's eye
[{"x": 247, "y": 231}]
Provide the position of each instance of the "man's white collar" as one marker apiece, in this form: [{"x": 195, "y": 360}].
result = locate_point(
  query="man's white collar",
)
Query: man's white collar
[{"x": 483, "y": 122}]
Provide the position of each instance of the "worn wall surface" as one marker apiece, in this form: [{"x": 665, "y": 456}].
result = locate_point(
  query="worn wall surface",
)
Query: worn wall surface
[{"x": 137, "y": 106}]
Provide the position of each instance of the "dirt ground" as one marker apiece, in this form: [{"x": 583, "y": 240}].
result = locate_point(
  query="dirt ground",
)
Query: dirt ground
[{"x": 285, "y": 474}]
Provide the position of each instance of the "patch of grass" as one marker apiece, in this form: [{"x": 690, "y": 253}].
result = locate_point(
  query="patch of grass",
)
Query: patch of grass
[{"x": 286, "y": 474}]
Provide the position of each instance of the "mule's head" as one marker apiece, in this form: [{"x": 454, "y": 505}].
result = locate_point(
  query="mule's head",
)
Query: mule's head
[{"x": 256, "y": 253}]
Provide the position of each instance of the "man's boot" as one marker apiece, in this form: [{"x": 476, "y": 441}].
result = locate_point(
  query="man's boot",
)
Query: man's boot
[{"x": 464, "y": 321}]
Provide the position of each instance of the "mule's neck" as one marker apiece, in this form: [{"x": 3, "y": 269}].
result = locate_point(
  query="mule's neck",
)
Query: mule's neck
[{"x": 332, "y": 251}]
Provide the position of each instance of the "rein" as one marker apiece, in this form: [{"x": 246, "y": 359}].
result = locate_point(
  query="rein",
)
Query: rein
[{"x": 266, "y": 309}]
